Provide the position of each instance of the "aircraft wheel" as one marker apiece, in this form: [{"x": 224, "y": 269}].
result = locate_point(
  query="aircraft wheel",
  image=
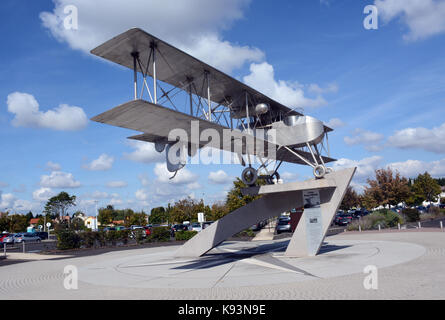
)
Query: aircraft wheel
[
  {"x": 249, "y": 176},
  {"x": 319, "y": 171}
]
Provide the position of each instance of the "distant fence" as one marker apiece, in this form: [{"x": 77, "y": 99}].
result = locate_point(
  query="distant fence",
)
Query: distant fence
[{"x": 29, "y": 247}]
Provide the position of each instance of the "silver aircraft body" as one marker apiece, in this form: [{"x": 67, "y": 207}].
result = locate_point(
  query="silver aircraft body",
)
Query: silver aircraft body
[{"x": 184, "y": 90}]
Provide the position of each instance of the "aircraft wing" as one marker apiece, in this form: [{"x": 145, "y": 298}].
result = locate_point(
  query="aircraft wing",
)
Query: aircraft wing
[
  {"x": 156, "y": 122},
  {"x": 176, "y": 67}
]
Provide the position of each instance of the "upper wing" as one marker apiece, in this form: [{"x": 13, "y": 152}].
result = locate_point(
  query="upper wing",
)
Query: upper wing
[
  {"x": 176, "y": 68},
  {"x": 157, "y": 122}
]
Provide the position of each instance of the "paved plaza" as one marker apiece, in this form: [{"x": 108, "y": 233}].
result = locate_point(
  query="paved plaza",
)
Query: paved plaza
[{"x": 409, "y": 264}]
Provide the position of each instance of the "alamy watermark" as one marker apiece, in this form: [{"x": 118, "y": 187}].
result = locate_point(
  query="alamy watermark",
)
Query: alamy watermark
[
  {"x": 371, "y": 21},
  {"x": 371, "y": 281},
  {"x": 71, "y": 21},
  {"x": 71, "y": 279}
]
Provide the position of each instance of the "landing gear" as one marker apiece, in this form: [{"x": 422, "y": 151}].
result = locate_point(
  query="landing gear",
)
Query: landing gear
[
  {"x": 320, "y": 171},
  {"x": 249, "y": 176}
]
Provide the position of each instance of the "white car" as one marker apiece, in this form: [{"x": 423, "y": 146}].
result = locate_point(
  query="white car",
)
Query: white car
[{"x": 196, "y": 227}]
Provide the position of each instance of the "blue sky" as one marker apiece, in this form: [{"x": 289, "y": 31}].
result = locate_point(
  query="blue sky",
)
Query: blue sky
[{"x": 383, "y": 90}]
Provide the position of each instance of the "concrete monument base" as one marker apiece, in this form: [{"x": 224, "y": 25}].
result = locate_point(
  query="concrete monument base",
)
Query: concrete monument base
[{"x": 320, "y": 197}]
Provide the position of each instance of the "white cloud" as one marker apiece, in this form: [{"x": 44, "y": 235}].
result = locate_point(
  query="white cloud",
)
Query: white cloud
[
  {"x": 183, "y": 176},
  {"x": 42, "y": 194},
  {"x": 144, "y": 152},
  {"x": 194, "y": 186},
  {"x": 315, "y": 88},
  {"x": 371, "y": 140},
  {"x": 117, "y": 184},
  {"x": 193, "y": 25},
  {"x": 291, "y": 94},
  {"x": 58, "y": 179},
  {"x": 220, "y": 177},
  {"x": 432, "y": 140},
  {"x": 52, "y": 166},
  {"x": 412, "y": 168},
  {"x": 335, "y": 123},
  {"x": 289, "y": 176},
  {"x": 142, "y": 195},
  {"x": 424, "y": 18},
  {"x": 100, "y": 195},
  {"x": 7, "y": 200},
  {"x": 103, "y": 163},
  {"x": 27, "y": 114},
  {"x": 143, "y": 178},
  {"x": 365, "y": 167}
]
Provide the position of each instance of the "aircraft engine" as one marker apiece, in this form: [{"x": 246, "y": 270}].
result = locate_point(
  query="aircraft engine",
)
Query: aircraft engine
[
  {"x": 240, "y": 112},
  {"x": 176, "y": 156}
]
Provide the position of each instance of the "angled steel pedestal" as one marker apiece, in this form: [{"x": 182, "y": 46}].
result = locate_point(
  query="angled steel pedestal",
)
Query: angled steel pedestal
[{"x": 306, "y": 240}]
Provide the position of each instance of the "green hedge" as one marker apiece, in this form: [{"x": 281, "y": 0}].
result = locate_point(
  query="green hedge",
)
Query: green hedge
[
  {"x": 411, "y": 215},
  {"x": 160, "y": 234},
  {"x": 68, "y": 239},
  {"x": 185, "y": 235}
]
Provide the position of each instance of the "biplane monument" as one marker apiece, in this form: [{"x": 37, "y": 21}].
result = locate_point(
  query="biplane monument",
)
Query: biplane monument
[{"x": 190, "y": 105}]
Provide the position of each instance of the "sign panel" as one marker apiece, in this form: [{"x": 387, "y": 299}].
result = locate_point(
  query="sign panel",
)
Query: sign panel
[
  {"x": 313, "y": 220},
  {"x": 201, "y": 218}
]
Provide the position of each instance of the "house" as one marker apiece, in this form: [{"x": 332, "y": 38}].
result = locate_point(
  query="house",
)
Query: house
[
  {"x": 118, "y": 222},
  {"x": 33, "y": 222},
  {"x": 90, "y": 222}
]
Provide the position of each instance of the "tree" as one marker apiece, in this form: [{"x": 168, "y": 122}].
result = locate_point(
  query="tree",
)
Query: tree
[
  {"x": 17, "y": 223},
  {"x": 59, "y": 205},
  {"x": 350, "y": 200},
  {"x": 187, "y": 210},
  {"x": 387, "y": 189},
  {"x": 425, "y": 188},
  {"x": 158, "y": 215},
  {"x": 235, "y": 198},
  {"x": 105, "y": 216},
  {"x": 218, "y": 210}
]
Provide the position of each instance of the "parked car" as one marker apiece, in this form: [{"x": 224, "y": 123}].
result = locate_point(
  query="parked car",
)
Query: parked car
[
  {"x": 196, "y": 226},
  {"x": 206, "y": 224},
  {"x": 27, "y": 237},
  {"x": 179, "y": 227},
  {"x": 42, "y": 235},
  {"x": 109, "y": 229},
  {"x": 4, "y": 235},
  {"x": 11, "y": 238},
  {"x": 422, "y": 209},
  {"x": 343, "y": 219},
  {"x": 283, "y": 225},
  {"x": 442, "y": 206},
  {"x": 147, "y": 230}
]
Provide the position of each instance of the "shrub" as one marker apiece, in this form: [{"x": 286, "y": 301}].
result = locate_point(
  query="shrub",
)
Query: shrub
[
  {"x": 245, "y": 233},
  {"x": 384, "y": 218},
  {"x": 67, "y": 239},
  {"x": 185, "y": 235},
  {"x": 412, "y": 215},
  {"x": 159, "y": 234},
  {"x": 88, "y": 238},
  {"x": 435, "y": 211}
]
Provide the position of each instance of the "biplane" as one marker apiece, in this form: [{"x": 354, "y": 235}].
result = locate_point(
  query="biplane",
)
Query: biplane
[{"x": 184, "y": 90}]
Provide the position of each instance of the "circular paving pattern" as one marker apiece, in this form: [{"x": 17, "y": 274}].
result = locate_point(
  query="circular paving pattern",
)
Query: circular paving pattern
[{"x": 246, "y": 264}]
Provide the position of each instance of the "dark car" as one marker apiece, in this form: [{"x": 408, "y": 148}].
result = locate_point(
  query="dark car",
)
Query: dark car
[
  {"x": 180, "y": 227},
  {"x": 42, "y": 235},
  {"x": 206, "y": 224},
  {"x": 283, "y": 225},
  {"x": 442, "y": 206},
  {"x": 343, "y": 219}
]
